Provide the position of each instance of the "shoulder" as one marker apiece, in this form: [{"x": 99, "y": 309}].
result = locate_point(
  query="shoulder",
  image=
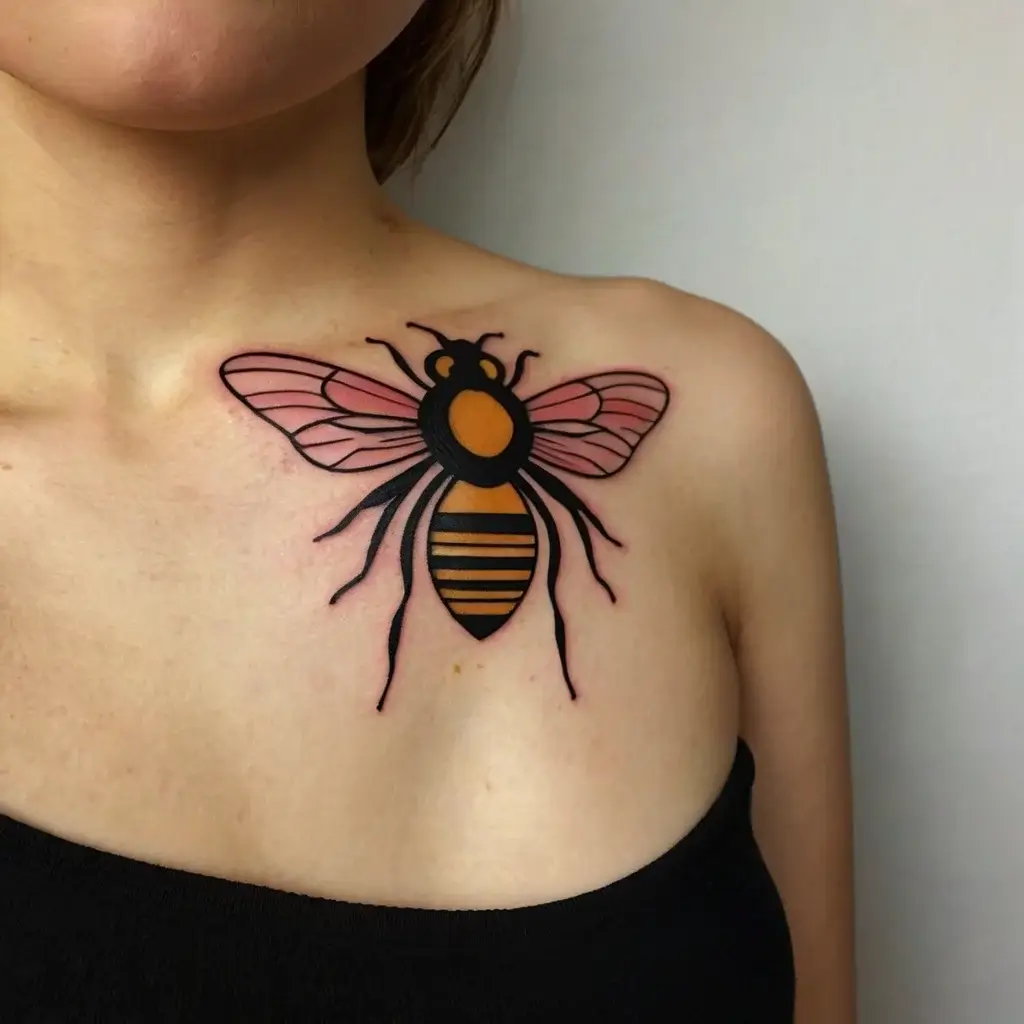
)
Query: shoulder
[
  {"x": 579, "y": 320},
  {"x": 736, "y": 389},
  {"x": 738, "y": 458},
  {"x": 742, "y": 445},
  {"x": 644, "y": 320},
  {"x": 737, "y": 394},
  {"x": 690, "y": 333}
]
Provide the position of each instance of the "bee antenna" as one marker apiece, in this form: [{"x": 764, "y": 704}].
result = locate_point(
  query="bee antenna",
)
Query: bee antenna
[
  {"x": 484, "y": 337},
  {"x": 437, "y": 335}
]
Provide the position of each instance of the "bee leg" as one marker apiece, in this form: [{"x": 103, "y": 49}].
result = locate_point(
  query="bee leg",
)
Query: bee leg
[
  {"x": 564, "y": 495},
  {"x": 375, "y": 542},
  {"x": 397, "y": 486},
  {"x": 406, "y": 556},
  {"x": 583, "y": 529},
  {"x": 400, "y": 361},
  {"x": 554, "y": 564}
]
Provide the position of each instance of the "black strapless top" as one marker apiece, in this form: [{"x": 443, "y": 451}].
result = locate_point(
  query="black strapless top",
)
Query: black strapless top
[{"x": 697, "y": 935}]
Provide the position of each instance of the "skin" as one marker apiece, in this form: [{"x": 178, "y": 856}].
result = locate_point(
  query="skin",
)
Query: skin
[{"x": 173, "y": 683}]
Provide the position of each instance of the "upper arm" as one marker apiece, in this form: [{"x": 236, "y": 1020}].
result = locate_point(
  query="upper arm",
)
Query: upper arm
[{"x": 774, "y": 508}]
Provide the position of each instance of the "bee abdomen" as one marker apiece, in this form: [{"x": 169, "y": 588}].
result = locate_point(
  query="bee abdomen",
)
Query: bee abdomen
[{"x": 481, "y": 552}]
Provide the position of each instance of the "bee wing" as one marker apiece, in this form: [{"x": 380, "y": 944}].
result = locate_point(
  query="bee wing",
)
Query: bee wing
[
  {"x": 592, "y": 426},
  {"x": 336, "y": 418}
]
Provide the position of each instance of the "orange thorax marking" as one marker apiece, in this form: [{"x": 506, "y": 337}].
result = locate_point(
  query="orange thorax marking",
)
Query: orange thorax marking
[{"x": 479, "y": 423}]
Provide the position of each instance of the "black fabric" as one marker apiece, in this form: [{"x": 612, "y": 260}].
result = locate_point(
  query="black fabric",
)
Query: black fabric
[{"x": 697, "y": 935}]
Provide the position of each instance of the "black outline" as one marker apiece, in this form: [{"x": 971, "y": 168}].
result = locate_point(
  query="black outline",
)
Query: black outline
[
  {"x": 520, "y": 366},
  {"x": 480, "y": 522},
  {"x": 380, "y": 496},
  {"x": 544, "y": 429},
  {"x": 400, "y": 361},
  {"x": 483, "y": 543},
  {"x": 379, "y": 531},
  {"x": 564, "y": 495},
  {"x": 529, "y": 495},
  {"x": 466, "y": 563},
  {"x": 520, "y": 558},
  {"x": 440, "y": 338},
  {"x": 659, "y": 385},
  {"x": 518, "y": 466},
  {"x": 484, "y": 585},
  {"x": 582, "y": 529},
  {"x": 406, "y": 560},
  {"x": 484, "y": 338},
  {"x": 334, "y": 413}
]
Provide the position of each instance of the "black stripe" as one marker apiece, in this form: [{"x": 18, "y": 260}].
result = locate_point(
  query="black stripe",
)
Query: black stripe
[
  {"x": 521, "y": 554},
  {"x": 481, "y": 600},
  {"x": 526, "y": 548},
  {"x": 482, "y": 522},
  {"x": 468, "y": 562},
  {"x": 508, "y": 585}
]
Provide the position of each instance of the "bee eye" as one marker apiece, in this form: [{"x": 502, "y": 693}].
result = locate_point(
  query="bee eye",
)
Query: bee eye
[
  {"x": 443, "y": 366},
  {"x": 490, "y": 370}
]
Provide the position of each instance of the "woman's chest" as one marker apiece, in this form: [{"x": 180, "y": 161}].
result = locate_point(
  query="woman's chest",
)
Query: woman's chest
[{"x": 173, "y": 672}]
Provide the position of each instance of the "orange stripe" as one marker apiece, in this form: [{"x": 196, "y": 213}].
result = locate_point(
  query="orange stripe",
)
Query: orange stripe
[
  {"x": 482, "y": 552},
  {"x": 482, "y": 574},
  {"x": 483, "y": 608},
  {"x": 498, "y": 595},
  {"x": 448, "y": 537},
  {"x": 465, "y": 497}
]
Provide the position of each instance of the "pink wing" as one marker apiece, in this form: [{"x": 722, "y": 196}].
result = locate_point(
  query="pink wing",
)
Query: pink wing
[
  {"x": 337, "y": 419},
  {"x": 592, "y": 426}
]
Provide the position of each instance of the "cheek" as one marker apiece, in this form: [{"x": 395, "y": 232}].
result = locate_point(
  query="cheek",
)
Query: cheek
[{"x": 193, "y": 63}]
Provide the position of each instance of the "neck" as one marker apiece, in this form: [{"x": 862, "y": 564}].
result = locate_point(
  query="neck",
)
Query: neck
[{"x": 122, "y": 239}]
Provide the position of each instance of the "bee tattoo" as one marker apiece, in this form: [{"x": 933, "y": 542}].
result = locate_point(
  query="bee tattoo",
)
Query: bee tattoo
[{"x": 490, "y": 460}]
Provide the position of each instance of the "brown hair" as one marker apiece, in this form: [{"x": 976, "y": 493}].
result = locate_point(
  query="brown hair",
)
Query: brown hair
[{"x": 416, "y": 86}]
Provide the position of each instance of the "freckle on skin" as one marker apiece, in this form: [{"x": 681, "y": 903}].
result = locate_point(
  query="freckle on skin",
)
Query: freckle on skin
[
  {"x": 5, "y": 466},
  {"x": 456, "y": 668}
]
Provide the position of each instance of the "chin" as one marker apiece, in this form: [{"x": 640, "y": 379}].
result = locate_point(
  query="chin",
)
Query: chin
[
  {"x": 166, "y": 103},
  {"x": 192, "y": 65}
]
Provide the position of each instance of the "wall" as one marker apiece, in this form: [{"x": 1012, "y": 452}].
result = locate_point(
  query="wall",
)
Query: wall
[{"x": 851, "y": 175}]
